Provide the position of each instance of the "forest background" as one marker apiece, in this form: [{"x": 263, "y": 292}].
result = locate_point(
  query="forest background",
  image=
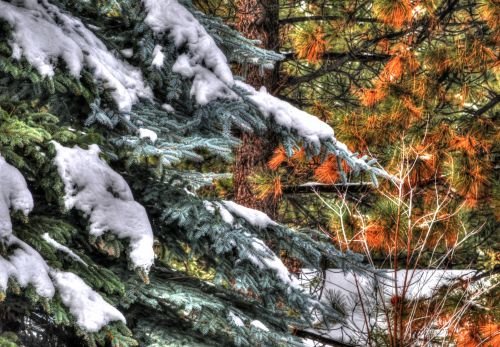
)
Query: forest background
[
  {"x": 415, "y": 85},
  {"x": 136, "y": 158}
]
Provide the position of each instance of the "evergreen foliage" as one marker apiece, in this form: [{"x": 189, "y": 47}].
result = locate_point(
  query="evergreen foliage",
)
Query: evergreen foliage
[
  {"x": 123, "y": 97},
  {"x": 415, "y": 84}
]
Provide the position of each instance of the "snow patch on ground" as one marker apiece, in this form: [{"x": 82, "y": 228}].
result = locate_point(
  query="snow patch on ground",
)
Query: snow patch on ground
[
  {"x": 42, "y": 34},
  {"x": 92, "y": 187},
  {"x": 419, "y": 284}
]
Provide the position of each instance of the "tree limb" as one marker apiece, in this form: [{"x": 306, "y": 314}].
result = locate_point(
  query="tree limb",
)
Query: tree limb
[{"x": 320, "y": 18}]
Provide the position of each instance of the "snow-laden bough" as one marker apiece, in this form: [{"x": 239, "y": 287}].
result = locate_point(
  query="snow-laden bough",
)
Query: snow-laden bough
[
  {"x": 27, "y": 266},
  {"x": 42, "y": 33},
  {"x": 14, "y": 194},
  {"x": 92, "y": 187}
]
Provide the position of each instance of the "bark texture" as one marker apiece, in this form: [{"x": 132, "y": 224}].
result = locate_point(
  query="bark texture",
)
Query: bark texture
[{"x": 256, "y": 19}]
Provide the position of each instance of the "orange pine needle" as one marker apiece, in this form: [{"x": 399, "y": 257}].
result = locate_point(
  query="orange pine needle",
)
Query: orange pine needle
[
  {"x": 328, "y": 171},
  {"x": 278, "y": 191},
  {"x": 370, "y": 97},
  {"x": 310, "y": 44},
  {"x": 279, "y": 156},
  {"x": 299, "y": 154},
  {"x": 394, "y": 12},
  {"x": 491, "y": 332},
  {"x": 375, "y": 236}
]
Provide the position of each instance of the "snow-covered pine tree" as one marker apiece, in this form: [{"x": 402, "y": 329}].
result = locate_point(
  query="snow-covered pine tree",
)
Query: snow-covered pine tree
[{"x": 100, "y": 104}]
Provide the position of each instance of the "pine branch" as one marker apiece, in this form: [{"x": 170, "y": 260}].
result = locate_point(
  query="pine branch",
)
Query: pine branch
[
  {"x": 365, "y": 57},
  {"x": 321, "y": 18},
  {"x": 321, "y": 338},
  {"x": 356, "y": 187},
  {"x": 492, "y": 103}
]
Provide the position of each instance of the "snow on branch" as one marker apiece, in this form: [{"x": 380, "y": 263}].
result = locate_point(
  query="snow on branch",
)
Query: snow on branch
[
  {"x": 42, "y": 34},
  {"x": 91, "y": 311},
  {"x": 269, "y": 260},
  {"x": 14, "y": 194},
  {"x": 92, "y": 187},
  {"x": 204, "y": 61},
  {"x": 62, "y": 248},
  {"x": 289, "y": 117},
  {"x": 28, "y": 267},
  {"x": 255, "y": 218},
  {"x": 207, "y": 65},
  {"x": 309, "y": 127},
  {"x": 257, "y": 251}
]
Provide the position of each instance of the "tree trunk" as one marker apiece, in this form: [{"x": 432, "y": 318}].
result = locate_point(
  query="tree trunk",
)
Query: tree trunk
[{"x": 257, "y": 19}]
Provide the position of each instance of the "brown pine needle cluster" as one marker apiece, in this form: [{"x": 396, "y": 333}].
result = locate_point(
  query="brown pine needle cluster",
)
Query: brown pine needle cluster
[
  {"x": 393, "y": 12},
  {"x": 278, "y": 158},
  {"x": 328, "y": 171},
  {"x": 403, "y": 61},
  {"x": 375, "y": 236},
  {"x": 310, "y": 43},
  {"x": 369, "y": 97}
]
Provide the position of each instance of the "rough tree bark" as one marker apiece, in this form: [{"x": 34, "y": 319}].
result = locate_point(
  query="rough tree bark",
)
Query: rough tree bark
[{"x": 256, "y": 19}]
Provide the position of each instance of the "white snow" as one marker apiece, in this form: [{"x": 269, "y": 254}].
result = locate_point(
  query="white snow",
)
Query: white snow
[
  {"x": 271, "y": 261},
  {"x": 207, "y": 66},
  {"x": 267, "y": 259},
  {"x": 149, "y": 134},
  {"x": 127, "y": 52},
  {"x": 259, "y": 325},
  {"x": 209, "y": 206},
  {"x": 91, "y": 311},
  {"x": 62, "y": 248},
  {"x": 229, "y": 209},
  {"x": 6, "y": 270},
  {"x": 227, "y": 217},
  {"x": 225, "y": 214},
  {"x": 14, "y": 194},
  {"x": 256, "y": 218},
  {"x": 236, "y": 319},
  {"x": 288, "y": 116},
  {"x": 27, "y": 267},
  {"x": 92, "y": 187},
  {"x": 158, "y": 57},
  {"x": 42, "y": 33},
  {"x": 204, "y": 61},
  {"x": 206, "y": 85},
  {"x": 420, "y": 284},
  {"x": 167, "y": 107},
  {"x": 305, "y": 125}
]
